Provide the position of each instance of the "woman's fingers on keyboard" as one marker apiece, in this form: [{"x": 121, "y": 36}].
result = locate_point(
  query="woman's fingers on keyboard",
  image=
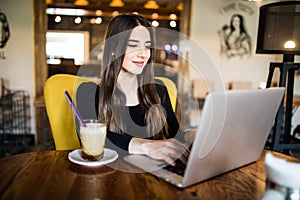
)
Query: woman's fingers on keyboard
[
  {"x": 168, "y": 150},
  {"x": 177, "y": 150}
]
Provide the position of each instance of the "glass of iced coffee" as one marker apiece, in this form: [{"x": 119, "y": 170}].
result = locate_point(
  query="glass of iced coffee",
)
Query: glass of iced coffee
[{"x": 92, "y": 137}]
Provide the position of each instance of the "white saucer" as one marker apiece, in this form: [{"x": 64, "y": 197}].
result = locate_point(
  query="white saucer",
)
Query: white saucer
[{"x": 108, "y": 157}]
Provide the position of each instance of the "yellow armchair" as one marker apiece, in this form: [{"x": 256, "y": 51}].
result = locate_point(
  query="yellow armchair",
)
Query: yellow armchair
[{"x": 60, "y": 115}]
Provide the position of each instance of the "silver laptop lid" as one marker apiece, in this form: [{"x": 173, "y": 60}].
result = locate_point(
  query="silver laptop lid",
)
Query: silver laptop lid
[{"x": 232, "y": 132}]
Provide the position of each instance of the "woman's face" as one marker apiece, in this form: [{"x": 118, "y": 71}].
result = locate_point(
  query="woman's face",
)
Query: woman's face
[
  {"x": 236, "y": 22},
  {"x": 138, "y": 50}
]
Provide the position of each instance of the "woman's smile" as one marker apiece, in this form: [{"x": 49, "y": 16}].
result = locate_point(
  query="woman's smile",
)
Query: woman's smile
[{"x": 139, "y": 63}]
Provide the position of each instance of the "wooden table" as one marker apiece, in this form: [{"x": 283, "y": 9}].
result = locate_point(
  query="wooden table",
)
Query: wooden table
[{"x": 50, "y": 175}]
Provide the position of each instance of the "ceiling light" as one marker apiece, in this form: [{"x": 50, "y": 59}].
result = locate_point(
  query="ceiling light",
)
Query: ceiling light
[
  {"x": 116, "y": 3},
  {"x": 98, "y": 12},
  {"x": 66, "y": 11},
  {"x": 180, "y": 6},
  {"x": 93, "y": 21},
  {"x": 98, "y": 20},
  {"x": 77, "y": 20},
  {"x": 290, "y": 44},
  {"x": 81, "y": 2},
  {"x": 173, "y": 24},
  {"x": 57, "y": 19},
  {"x": 155, "y": 23},
  {"x": 115, "y": 13},
  {"x": 49, "y": 1},
  {"x": 173, "y": 16},
  {"x": 154, "y": 16},
  {"x": 167, "y": 47},
  {"x": 151, "y": 4},
  {"x": 174, "y": 47}
]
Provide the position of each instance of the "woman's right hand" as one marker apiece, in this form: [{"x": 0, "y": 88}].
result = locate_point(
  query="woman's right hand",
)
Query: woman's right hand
[{"x": 167, "y": 150}]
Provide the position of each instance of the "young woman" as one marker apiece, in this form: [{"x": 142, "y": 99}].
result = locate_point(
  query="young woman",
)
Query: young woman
[{"x": 136, "y": 107}]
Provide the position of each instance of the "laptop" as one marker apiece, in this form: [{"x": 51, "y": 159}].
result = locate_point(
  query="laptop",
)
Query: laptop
[{"x": 232, "y": 132}]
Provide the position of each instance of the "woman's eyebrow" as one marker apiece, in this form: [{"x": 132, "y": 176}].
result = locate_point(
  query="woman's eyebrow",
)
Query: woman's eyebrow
[{"x": 131, "y": 40}]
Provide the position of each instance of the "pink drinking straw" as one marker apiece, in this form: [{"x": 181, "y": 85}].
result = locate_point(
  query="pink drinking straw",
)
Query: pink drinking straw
[{"x": 73, "y": 107}]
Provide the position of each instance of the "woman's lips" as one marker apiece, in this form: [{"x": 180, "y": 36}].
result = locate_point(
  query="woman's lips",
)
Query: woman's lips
[{"x": 139, "y": 63}]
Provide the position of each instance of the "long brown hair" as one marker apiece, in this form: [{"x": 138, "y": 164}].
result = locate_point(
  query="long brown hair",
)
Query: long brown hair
[{"x": 111, "y": 99}]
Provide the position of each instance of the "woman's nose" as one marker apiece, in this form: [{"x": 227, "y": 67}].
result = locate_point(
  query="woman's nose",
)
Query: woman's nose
[{"x": 142, "y": 52}]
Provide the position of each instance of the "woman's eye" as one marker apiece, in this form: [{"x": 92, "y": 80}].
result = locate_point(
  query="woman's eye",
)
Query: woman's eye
[{"x": 132, "y": 45}]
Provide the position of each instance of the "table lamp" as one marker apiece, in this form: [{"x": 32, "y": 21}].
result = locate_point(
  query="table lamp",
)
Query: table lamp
[
  {"x": 279, "y": 29},
  {"x": 279, "y": 33}
]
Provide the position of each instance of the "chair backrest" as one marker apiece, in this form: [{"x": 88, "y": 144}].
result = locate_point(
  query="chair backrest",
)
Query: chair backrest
[
  {"x": 172, "y": 90},
  {"x": 240, "y": 85},
  {"x": 60, "y": 115},
  {"x": 201, "y": 87}
]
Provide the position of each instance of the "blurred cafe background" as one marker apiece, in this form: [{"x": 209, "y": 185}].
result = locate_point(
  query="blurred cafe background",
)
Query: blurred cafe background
[{"x": 41, "y": 38}]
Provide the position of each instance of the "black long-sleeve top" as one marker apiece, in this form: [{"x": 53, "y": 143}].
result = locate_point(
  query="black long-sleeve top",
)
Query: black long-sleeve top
[{"x": 87, "y": 100}]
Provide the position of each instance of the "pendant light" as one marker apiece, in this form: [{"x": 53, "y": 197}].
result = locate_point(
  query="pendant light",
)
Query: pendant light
[
  {"x": 81, "y": 2},
  {"x": 116, "y": 3},
  {"x": 151, "y": 4}
]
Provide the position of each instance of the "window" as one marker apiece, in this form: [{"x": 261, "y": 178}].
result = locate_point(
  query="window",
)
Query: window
[{"x": 67, "y": 45}]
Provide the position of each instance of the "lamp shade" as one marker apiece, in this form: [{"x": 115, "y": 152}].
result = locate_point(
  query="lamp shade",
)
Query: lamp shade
[{"x": 279, "y": 28}]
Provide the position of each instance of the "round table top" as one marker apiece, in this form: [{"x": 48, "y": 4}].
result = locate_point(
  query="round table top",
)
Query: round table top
[{"x": 50, "y": 175}]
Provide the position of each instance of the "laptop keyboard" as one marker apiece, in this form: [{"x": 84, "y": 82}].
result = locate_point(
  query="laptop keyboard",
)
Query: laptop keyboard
[{"x": 179, "y": 167}]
